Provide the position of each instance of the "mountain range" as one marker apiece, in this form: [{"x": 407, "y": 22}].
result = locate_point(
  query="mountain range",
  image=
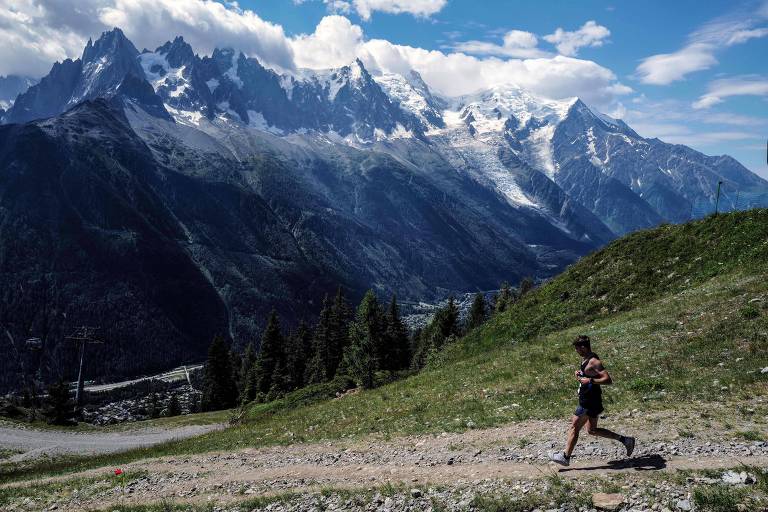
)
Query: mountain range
[{"x": 168, "y": 197}]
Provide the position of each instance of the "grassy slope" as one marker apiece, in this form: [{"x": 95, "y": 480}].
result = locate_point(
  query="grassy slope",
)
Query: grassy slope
[{"x": 665, "y": 307}]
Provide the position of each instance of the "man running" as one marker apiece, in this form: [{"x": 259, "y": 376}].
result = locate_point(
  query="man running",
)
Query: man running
[{"x": 591, "y": 376}]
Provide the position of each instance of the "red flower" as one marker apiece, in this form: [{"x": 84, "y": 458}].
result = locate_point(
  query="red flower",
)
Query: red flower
[{"x": 118, "y": 472}]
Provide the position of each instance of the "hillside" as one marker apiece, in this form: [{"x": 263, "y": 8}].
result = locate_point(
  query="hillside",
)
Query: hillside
[{"x": 678, "y": 313}]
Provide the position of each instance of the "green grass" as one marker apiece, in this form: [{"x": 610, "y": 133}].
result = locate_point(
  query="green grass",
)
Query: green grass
[
  {"x": 664, "y": 308},
  {"x": 54, "y": 491},
  {"x": 751, "y": 435},
  {"x": 719, "y": 498},
  {"x": 6, "y": 453}
]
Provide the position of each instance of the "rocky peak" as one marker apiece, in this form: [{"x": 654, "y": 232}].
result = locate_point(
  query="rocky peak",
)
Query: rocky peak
[
  {"x": 178, "y": 53},
  {"x": 112, "y": 43}
]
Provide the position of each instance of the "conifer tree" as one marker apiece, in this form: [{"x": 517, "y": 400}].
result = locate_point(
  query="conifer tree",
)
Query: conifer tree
[
  {"x": 271, "y": 355},
  {"x": 338, "y": 339},
  {"x": 219, "y": 388},
  {"x": 504, "y": 298},
  {"x": 365, "y": 339},
  {"x": 477, "y": 313},
  {"x": 247, "y": 362},
  {"x": 317, "y": 368},
  {"x": 397, "y": 351},
  {"x": 153, "y": 409},
  {"x": 298, "y": 354},
  {"x": 174, "y": 409}
]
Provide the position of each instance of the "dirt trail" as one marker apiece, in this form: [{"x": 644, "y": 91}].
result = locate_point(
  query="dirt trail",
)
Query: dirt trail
[{"x": 512, "y": 453}]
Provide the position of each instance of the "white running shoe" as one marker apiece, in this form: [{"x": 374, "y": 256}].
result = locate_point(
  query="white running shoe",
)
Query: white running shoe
[
  {"x": 629, "y": 444},
  {"x": 559, "y": 458}
]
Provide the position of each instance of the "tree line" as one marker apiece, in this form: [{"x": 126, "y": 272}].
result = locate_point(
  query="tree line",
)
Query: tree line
[{"x": 370, "y": 344}]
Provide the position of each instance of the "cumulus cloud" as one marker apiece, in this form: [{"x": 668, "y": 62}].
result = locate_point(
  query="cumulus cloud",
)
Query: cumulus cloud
[
  {"x": 334, "y": 43},
  {"x": 455, "y": 74},
  {"x": 699, "y": 53},
  {"x": 366, "y": 8},
  {"x": 515, "y": 43},
  {"x": 39, "y": 32},
  {"x": 51, "y": 32},
  {"x": 423, "y": 8},
  {"x": 569, "y": 43},
  {"x": 724, "y": 88}
]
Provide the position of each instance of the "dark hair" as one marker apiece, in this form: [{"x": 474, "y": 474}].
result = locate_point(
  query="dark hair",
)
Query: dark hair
[{"x": 582, "y": 341}]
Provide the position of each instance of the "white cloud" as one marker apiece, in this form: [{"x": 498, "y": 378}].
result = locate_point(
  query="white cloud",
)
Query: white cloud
[
  {"x": 366, "y": 8},
  {"x": 516, "y": 43},
  {"x": 205, "y": 24},
  {"x": 334, "y": 43},
  {"x": 53, "y": 33},
  {"x": 665, "y": 68},
  {"x": 568, "y": 43},
  {"x": 724, "y": 88},
  {"x": 38, "y": 32},
  {"x": 742, "y": 36},
  {"x": 699, "y": 53},
  {"x": 422, "y": 8},
  {"x": 455, "y": 74}
]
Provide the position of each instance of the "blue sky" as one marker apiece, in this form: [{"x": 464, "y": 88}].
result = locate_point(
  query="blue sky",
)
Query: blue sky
[{"x": 686, "y": 72}]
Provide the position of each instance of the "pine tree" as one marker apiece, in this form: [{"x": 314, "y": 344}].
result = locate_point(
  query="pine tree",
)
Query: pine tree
[
  {"x": 250, "y": 389},
  {"x": 504, "y": 299},
  {"x": 219, "y": 389},
  {"x": 397, "y": 351},
  {"x": 174, "y": 409},
  {"x": 365, "y": 339},
  {"x": 338, "y": 339},
  {"x": 59, "y": 408},
  {"x": 317, "y": 368},
  {"x": 153, "y": 409},
  {"x": 236, "y": 361},
  {"x": 477, "y": 313},
  {"x": 298, "y": 354},
  {"x": 246, "y": 363},
  {"x": 271, "y": 355}
]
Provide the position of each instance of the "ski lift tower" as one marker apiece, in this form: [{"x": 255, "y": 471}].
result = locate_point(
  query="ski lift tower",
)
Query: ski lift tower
[{"x": 83, "y": 335}]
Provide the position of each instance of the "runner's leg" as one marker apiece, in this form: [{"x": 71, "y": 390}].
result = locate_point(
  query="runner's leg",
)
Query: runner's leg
[
  {"x": 593, "y": 430},
  {"x": 573, "y": 434}
]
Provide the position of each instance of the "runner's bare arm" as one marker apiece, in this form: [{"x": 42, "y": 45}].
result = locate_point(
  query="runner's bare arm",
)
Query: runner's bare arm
[{"x": 598, "y": 373}]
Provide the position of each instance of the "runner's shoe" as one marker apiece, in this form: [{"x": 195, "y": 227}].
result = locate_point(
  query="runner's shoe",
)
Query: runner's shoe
[
  {"x": 629, "y": 444},
  {"x": 559, "y": 458}
]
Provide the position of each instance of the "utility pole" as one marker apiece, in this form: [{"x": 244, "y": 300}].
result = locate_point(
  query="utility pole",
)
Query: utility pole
[
  {"x": 82, "y": 335},
  {"x": 717, "y": 201}
]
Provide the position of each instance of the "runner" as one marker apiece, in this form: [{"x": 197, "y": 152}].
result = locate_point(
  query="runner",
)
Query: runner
[{"x": 591, "y": 376}]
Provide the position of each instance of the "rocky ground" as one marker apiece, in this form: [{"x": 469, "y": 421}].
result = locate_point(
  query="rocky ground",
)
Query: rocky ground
[{"x": 678, "y": 461}]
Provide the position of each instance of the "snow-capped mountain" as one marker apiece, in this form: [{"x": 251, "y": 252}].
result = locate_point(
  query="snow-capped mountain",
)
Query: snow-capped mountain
[
  {"x": 504, "y": 138},
  {"x": 199, "y": 192}
]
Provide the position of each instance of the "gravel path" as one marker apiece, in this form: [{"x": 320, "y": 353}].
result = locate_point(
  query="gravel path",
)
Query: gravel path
[
  {"x": 452, "y": 468},
  {"x": 34, "y": 443}
]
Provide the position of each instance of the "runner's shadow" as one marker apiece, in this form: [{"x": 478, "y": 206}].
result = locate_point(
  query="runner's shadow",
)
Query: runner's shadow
[{"x": 643, "y": 463}]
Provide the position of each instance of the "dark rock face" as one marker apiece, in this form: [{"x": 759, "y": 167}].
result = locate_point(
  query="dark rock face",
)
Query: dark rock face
[{"x": 101, "y": 69}]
